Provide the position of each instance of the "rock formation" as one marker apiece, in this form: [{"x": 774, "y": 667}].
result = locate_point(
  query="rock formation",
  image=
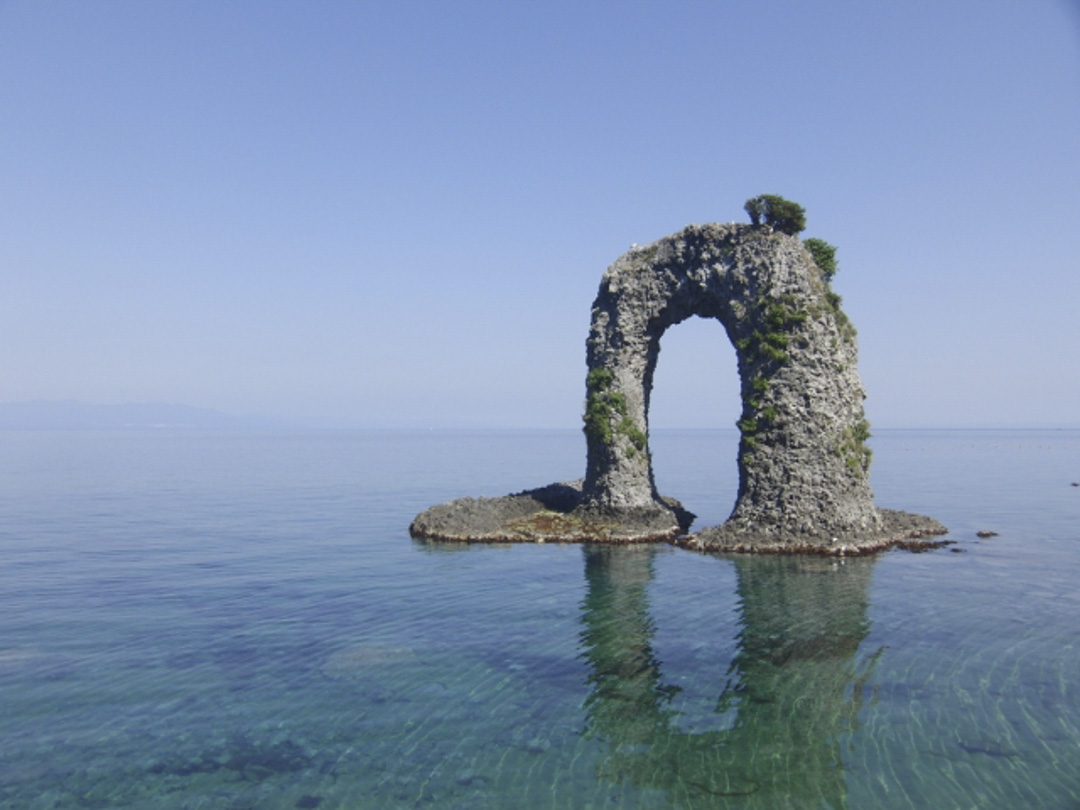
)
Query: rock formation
[{"x": 803, "y": 462}]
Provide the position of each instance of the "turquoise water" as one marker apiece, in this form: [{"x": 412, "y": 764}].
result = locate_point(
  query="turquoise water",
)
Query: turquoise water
[{"x": 229, "y": 620}]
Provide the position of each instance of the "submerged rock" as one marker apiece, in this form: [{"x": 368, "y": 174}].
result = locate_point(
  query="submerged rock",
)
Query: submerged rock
[{"x": 353, "y": 662}]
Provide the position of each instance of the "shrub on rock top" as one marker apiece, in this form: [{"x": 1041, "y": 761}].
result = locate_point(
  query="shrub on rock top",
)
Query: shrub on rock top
[{"x": 780, "y": 214}]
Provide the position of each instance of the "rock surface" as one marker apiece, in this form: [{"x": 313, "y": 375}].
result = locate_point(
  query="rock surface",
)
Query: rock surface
[
  {"x": 803, "y": 463},
  {"x": 553, "y": 513}
]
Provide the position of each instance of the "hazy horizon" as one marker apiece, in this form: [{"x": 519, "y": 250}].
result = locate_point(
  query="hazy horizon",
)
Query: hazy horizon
[{"x": 73, "y": 414}]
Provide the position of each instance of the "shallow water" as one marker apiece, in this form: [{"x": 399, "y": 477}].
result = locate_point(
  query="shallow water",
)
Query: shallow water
[{"x": 228, "y": 620}]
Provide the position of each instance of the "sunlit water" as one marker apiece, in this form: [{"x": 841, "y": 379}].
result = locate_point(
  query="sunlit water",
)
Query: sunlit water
[{"x": 228, "y": 620}]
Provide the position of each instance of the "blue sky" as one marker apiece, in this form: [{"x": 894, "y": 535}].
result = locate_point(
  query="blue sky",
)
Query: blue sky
[{"x": 398, "y": 213}]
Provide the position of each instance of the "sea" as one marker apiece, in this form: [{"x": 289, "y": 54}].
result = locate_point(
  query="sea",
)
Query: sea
[{"x": 240, "y": 619}]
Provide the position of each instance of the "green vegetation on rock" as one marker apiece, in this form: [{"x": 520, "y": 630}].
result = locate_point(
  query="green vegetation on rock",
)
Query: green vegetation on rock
[
  {"x": 767, "y": 346},
  {"x": 824, "y": 256},
  {"x": 776, "y": 212},
  {"x": 748, "y": 427},
  {"x": 781, "y": 318},
  {"x": 599, "y": 403},
  {"x": 602, "y": 406},
  {"x": 843, "y": 322},
  {"x": 852, "y": 447},
  {"x": 790, "y": 218}
]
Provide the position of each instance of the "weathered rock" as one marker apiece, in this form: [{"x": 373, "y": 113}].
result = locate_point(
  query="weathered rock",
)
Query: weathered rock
[
  {"x": 897, "y": 529},
  {"x": 551, "y": 513},
  {"x": 803, "y": 462}
]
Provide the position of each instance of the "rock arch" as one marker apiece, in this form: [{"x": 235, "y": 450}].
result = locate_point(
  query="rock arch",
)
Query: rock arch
[
  {"x": 803, "y": 462},
  {"x": 803, "y": 466}
]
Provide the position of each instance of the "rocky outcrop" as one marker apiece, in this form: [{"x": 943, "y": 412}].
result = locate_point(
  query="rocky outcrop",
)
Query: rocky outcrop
[
  {"x": 803, "y": 461},
  {"x": 551, "y": 513}
]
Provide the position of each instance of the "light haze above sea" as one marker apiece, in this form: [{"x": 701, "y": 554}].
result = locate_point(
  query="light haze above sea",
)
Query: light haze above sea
[{"x": 385, "y": 214}]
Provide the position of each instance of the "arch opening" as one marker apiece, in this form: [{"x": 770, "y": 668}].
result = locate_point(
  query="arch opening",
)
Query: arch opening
[{"x": 693, "y": 407}]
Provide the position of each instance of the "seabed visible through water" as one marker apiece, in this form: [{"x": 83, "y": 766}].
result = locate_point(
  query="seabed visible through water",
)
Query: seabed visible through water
[{"x": 218, "y": 620}]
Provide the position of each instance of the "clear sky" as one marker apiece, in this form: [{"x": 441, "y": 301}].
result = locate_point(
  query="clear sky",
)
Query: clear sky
[{"x": 398, "y": 213}]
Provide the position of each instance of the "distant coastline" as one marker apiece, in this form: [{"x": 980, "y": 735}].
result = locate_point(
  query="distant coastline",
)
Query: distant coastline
[{"x": 75, "y": 415}]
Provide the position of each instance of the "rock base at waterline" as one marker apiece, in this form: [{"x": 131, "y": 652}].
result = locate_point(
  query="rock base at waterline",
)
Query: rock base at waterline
[
  {"x": 895, "y": 529},
  {"x": 551, "y": 514},
  {"x": 555, "y": 514}
]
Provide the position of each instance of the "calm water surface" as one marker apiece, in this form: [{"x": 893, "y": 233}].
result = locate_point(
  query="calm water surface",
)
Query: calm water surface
[{"x": 229, "y": 620}]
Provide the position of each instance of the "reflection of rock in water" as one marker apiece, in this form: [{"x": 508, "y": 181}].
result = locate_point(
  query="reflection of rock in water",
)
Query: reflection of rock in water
[
  {"x": 352, "y": 662},
  {"x": 794, "y": 684},
  {"x": 625, "y": 704}
]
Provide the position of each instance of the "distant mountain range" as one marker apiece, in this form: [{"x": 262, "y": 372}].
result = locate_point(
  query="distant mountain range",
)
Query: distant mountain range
[{"x": 72, "y": 415}]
